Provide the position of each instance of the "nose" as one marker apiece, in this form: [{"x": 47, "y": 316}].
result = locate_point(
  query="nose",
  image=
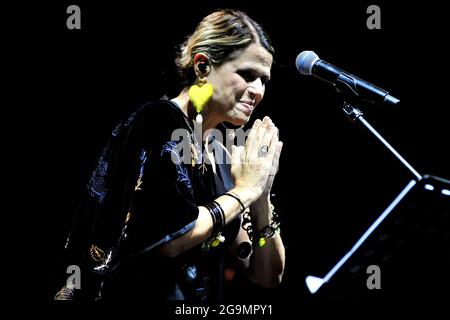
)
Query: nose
[{"x": 256, "y": 89}]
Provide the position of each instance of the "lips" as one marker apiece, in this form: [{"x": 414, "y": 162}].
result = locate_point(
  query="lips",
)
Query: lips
[{"x": 248, "y": 107}]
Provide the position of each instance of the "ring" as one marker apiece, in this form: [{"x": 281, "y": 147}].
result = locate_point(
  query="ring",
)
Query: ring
[{"x": 263, "y": 150}]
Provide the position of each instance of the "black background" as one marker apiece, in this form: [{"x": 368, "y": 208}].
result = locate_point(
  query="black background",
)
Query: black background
[{"x": 70, "y": 88}]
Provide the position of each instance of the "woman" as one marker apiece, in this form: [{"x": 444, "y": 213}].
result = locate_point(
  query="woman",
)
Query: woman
[{"x": 159, "y": 226}]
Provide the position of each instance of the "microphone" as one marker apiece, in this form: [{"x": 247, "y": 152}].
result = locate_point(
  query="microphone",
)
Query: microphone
[{"x": 308, "y": 63}]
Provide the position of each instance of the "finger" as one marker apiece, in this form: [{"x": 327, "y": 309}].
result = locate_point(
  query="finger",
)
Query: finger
[
  {"x": 272, "y": 142},
  {"x": 236, "y": 161},
  {"x": 273, "y": 151},
  {"x": 271, "y": 132},
  {"x": 260, "y": 148},
  {"x": 275, "y": 164},
  {"x": 266, "y": 126},
  {"x": 241, "y": 153},
  {"x": 260, "y": 132},
  {"x": 235, "y": 156},
  {"x": 276, "y": 158},
  {"x": 238, "y": 155},
  {"x": 263, "y": 136},
  {"x": 253, "y": 130},
  {"x": 251, "y": 137}
]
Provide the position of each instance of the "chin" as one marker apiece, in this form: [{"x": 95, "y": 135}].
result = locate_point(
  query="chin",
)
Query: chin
[
  {"x": 239, "y": 118},
  {"x": 240, "y": 121}
]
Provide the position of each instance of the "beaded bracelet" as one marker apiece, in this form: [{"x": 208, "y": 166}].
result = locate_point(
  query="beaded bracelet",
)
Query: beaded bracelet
[{"x": 268, "y": 231}]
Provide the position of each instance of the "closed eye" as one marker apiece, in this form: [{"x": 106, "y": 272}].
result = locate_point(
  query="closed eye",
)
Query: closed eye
[
  {"x": 264, "y": 80},
  {"x": 247, "y": 75},
  {"x": 250, "y": 76}
]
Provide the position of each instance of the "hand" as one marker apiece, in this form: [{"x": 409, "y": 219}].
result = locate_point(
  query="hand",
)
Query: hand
[
  {"x": 275, "y": 166},
  {"x": 252, "y": 164}
]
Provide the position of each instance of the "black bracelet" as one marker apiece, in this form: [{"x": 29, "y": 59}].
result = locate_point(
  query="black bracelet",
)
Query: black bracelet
[
  {"x": 217, "y": 216},
  {"x": 218, "y": 219},
  {"x": 237, "y": 198},
  {"x": 222, "y": 214},
  {"x": 213, "y": 216}
]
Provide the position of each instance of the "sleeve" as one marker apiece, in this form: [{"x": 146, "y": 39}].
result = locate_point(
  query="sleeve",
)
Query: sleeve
[{"x": 163, "y": 206}]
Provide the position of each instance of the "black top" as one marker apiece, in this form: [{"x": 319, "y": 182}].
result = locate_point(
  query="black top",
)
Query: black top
[{"x": 141, "y": 196}]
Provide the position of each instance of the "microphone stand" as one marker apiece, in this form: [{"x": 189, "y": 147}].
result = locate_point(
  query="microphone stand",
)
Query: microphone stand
[
  {"x": 356, "y": 116},
  {"x": 352, "y": 98}
]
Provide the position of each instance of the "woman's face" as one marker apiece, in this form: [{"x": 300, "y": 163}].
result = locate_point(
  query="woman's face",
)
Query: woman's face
[{"x": 239, "y": 84}]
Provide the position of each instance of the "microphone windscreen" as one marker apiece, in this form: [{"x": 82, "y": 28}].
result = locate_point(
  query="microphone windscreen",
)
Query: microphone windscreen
[{"x": 305, "y": 62}]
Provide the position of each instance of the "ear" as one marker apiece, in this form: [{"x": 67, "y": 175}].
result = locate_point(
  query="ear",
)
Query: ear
[{"x": 202, "y": 66}]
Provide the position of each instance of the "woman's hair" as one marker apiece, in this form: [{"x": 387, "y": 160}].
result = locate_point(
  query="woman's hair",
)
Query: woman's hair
[{"x": 220, "y": 35}]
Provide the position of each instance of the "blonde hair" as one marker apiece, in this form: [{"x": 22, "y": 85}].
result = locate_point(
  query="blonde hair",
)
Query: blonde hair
[{"x": 220, "y": 36}]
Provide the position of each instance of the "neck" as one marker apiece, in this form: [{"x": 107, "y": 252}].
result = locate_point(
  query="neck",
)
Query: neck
[{"x": 209, "y": 119}]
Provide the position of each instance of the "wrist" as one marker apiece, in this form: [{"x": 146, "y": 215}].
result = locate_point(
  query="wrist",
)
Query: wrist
[
  {"x": 261, "y": 212},
  {"x": 259, "y": 231},
  {"x": 263, "y": 201},
  {"x": 246, "y": 195}
]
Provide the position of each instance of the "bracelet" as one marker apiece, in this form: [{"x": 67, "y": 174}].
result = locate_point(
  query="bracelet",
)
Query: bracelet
[
  {"x": 268, "y": 231},
  {"x": 218, "y": 218},
  {"x": 237, "y": 198}
]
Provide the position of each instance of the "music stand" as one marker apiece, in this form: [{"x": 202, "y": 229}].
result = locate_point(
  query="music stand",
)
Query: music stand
[{"x": 409, "y": 242}]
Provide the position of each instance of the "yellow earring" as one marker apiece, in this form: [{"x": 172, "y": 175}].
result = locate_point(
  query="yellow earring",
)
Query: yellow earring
[{"x": 200, "y": 95}]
